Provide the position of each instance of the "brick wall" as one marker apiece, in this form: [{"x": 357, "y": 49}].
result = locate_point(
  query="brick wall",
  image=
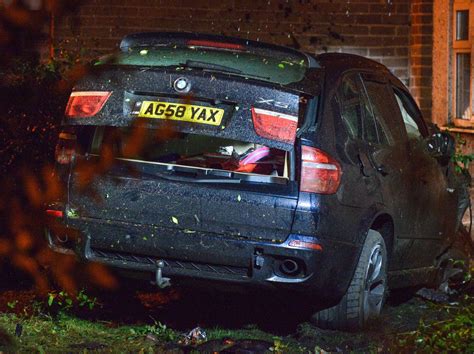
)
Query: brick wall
[
  {"x": 421, "y": 54},
  {"x": 379, "y": 29}
]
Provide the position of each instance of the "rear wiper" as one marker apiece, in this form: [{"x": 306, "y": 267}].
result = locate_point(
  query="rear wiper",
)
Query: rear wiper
[{"x": 196, "y": 64}]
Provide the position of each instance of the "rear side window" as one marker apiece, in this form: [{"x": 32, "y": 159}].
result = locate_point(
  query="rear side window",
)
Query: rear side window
[
  {"x": 379, "y": 111},
  {"x": 357, "y": 112},
  {"x": 410, "y": 115},
  {"x": 373, "y": 131},
  {"x": 350, "y": 105}
]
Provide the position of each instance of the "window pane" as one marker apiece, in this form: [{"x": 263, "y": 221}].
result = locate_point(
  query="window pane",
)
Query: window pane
[
  {"x": 373, "y": 131},
  {"x": 382, "y": 113},
  {"x": 350, "y": 106},
  {"x": 462, "y": 25},
  {"x": 463, "y": 74},
  {"x": 411, "y": 127},
  {"x": 276, "y": 67}
]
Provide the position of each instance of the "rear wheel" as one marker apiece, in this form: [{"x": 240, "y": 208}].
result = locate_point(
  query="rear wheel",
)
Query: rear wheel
[{"x": 366, "y": 293}]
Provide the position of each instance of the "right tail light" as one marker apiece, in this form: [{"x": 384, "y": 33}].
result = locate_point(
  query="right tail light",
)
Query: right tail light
[{"x": 320, "y": 173}]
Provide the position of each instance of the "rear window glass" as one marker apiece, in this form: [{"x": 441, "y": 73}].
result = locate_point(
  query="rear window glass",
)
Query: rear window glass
[
  {"x": 280, "y": 68},
  {"x": 193, "y": 150}
]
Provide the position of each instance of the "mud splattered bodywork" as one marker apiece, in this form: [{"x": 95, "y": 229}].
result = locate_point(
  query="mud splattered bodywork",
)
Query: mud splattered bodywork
[{"x": 276, "y": 185}]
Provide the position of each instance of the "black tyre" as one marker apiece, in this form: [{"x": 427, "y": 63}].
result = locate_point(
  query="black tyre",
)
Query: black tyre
[{"x": 366, "y": 293}]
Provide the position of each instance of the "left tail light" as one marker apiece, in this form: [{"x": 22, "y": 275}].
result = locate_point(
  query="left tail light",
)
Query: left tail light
[
  {"x": 65, "y": 148},
  {"x": 320, "y": 173},
  {"x": 83, "y": 104}
]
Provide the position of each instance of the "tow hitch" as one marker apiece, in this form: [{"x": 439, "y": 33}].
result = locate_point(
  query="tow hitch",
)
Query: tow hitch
[{"x": 161, "y": 281}]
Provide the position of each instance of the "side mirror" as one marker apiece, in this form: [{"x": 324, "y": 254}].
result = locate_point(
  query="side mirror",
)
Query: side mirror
[{"x": 441, "y": 145}]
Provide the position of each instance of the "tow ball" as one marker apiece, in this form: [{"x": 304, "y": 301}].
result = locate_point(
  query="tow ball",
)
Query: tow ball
[{"x": 161, "y": 281}]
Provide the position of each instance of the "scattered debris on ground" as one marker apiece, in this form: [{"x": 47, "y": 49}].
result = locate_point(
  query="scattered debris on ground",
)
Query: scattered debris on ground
[{"x": 154, "y": 321}]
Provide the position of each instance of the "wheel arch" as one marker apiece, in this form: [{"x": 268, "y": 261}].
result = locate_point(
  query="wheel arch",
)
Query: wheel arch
[{"x": 383, "y": 223}]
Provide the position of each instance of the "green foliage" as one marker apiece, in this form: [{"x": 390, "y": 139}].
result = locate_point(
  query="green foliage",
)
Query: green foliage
[
  {"x": 279, "y": 346},
  {"x": 157, "y": 329},
  {"x": 25, "y": 71},
  {"x": 69, "y": 334},
  {"x": 65, "y": 302},
  {"x": 455, "y": 334},
  {"x": 12, "y": 304},
  {"x": 460, "y": 159}
]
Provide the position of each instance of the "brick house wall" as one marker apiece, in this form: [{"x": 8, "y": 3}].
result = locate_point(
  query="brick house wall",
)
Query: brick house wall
[
  {"x": 421, "y": 54},
  {"x": 397, "y": 33},
  {"x": 379, "y": 29}
]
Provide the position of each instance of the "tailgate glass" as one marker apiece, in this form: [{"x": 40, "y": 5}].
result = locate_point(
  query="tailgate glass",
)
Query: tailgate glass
[{"x": 279, "y": 68}]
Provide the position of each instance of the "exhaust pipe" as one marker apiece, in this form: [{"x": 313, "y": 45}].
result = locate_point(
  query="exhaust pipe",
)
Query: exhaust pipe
[{"x": 289, "y": 267}]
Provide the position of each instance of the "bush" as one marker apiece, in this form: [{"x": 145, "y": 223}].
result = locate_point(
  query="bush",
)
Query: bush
[{"x": 454, "y": 334}]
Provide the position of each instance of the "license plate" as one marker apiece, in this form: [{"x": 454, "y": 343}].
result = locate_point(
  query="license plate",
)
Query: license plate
[{"x": 181, "y": 112}]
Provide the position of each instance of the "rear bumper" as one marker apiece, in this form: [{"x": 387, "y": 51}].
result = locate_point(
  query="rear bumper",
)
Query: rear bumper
[{"x": 201, "y": 256}]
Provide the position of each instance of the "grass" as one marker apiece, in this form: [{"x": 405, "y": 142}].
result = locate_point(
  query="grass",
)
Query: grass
[
  {"x": 412, "y": 326},
  {"x": 67, "y": 333},
  {"x": 454, "y": 333}
]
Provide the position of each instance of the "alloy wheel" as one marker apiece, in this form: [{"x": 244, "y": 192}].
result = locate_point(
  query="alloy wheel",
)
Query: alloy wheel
[{"x": 374, "y": 291}]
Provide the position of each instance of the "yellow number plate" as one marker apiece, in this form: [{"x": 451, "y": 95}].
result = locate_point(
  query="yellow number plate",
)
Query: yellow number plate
[{"x": 181, "y": 112}]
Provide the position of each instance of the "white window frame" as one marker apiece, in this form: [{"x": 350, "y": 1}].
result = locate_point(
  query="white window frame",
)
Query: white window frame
[{"x": 459, "y": 47}]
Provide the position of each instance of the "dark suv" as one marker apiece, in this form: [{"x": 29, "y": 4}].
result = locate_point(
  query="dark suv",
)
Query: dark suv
[{"x": 231, "y": 161}]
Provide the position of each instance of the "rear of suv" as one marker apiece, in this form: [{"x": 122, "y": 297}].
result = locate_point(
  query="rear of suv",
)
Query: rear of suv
[{"x": 215, "y": 159}]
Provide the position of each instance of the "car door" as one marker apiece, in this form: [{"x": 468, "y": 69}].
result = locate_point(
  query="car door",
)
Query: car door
[
  {"x": 376, "y": 149},
  {"x": 387, "y": 152},
  {"x": 352, "y": 125},
  {"x": 434, "y": 209}
]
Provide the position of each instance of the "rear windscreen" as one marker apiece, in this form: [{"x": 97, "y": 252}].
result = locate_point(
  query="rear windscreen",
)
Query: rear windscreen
[
  {"x": 281, "y": 68},
  {"x": 187, "y": 149}
]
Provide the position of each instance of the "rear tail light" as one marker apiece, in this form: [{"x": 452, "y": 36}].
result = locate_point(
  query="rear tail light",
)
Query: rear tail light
[
  {"x": 54, "y": 213},
  {"x": 83, "y": 104},
  {"x": 213, "y": 44},
  {"x": 65, "y": 149},
  {"x": 320, "y": 173},
  {"x": 274, "y": 125}
]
